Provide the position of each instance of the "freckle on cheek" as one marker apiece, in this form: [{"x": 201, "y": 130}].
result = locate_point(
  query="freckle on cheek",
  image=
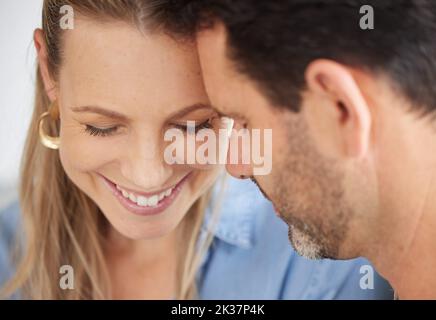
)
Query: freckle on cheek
[{"x": 73, "y": 159}]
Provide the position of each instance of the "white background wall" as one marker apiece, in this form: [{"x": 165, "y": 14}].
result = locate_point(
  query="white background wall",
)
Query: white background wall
[{"x": 18, "y": 19}]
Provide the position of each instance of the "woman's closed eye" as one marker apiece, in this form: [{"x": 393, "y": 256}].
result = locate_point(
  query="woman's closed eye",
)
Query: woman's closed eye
[
  {"x": 100, "y": 132},
  {"x": 197, "y": 127},
  {"x": 109, "y": 131}
]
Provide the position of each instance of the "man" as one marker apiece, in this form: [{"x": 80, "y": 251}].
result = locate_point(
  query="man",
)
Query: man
[{"x": 353, "y": 116}]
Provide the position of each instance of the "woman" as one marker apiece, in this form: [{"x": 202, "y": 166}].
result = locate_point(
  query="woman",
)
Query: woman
[{"x": 97, "y": 195}]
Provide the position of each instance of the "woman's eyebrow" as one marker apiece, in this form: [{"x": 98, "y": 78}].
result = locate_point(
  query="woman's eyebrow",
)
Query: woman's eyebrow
[
  {"x": 121, "y": 117},
  {"x": 101, "y": 111},
  {"x": 188, "y": 109}
]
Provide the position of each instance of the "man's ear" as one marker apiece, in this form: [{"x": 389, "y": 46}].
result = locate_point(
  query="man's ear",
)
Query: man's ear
[
  {"x": 336, "y": 109},
  {"x": 41, "y": 50}
]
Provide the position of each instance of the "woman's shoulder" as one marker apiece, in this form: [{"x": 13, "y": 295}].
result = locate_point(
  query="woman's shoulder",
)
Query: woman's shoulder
[{"x": 9, "y": 217}]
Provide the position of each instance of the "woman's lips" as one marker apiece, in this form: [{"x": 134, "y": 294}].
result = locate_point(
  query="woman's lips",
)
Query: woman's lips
[{"x": 145, "y": 204}]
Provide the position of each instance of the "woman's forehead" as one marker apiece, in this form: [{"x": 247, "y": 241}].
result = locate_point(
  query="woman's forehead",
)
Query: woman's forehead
[{"x": 116, "y": 62}]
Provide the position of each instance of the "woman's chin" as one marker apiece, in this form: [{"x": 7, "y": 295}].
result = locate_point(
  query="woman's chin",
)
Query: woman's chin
[{"x": 143, "y": 231}]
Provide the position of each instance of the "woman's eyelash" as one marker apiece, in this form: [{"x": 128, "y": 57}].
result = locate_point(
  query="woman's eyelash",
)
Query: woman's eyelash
[
  {"x": 98, "y": 132},
  {"x": 204, "y": 125}
]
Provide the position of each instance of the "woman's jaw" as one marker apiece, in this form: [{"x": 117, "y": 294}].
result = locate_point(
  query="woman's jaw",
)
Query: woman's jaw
[{"x": 142, "y": 203}]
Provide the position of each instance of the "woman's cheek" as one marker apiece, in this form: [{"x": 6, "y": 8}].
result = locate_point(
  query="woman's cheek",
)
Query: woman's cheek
[{"x": 82, "y": 153}]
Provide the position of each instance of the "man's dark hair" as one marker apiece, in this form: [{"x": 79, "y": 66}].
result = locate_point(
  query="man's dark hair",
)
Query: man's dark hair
[{"x": 273, "y": 41}]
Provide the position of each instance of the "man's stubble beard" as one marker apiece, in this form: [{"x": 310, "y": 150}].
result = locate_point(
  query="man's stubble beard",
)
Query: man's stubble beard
[{"x": 309, "y": 196}]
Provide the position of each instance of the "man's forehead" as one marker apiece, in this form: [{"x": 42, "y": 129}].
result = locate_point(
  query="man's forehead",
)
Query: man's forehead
[
  {"x": 213, "y": 50},
  {"x": 213, "y": 36},
  {"x": 230, "y": 91}
]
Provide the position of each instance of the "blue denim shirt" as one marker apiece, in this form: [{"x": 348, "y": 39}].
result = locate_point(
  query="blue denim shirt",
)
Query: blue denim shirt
[{"x": 250, "y": 256}]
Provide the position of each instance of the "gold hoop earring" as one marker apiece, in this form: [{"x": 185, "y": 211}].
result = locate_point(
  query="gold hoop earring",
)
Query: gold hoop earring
[{"x": 46, "y": 140}]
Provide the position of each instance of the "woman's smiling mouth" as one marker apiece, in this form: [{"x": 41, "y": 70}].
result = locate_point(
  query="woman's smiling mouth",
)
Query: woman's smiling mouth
[{"x": 145, "y": 204}]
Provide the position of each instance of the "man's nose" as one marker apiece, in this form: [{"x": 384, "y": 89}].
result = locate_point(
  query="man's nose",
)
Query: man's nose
[
  {"x": 240, "y": 171},
  {"x": 237, "y": 165}
]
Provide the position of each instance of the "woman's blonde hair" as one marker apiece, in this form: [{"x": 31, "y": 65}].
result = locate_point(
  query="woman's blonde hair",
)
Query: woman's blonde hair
[{"x": 62, "y": 226}]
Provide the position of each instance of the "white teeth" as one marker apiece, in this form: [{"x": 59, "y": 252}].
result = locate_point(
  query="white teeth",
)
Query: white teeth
[
  {"x": 153, "y": 201},
  {"x": 144, "y": 201}
]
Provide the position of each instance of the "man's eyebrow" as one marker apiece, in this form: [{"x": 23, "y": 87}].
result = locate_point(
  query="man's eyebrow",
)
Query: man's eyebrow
[{"x": 101, "y": 111}]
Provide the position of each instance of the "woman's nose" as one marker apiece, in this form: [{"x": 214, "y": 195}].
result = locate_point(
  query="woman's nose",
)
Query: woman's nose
[{"x": 144, "y": 165}]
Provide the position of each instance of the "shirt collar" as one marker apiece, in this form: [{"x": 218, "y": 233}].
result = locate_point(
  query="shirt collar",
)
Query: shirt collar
[{"x": 238, "y": 204}]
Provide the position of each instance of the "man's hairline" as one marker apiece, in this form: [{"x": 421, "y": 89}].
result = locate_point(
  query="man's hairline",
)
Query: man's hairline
[{"x": 392, "y": 85}]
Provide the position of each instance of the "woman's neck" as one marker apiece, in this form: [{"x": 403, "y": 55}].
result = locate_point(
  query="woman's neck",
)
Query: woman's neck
[
  {"x": 145, "y": 251},
  {"x": 142, "y": 269}
]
